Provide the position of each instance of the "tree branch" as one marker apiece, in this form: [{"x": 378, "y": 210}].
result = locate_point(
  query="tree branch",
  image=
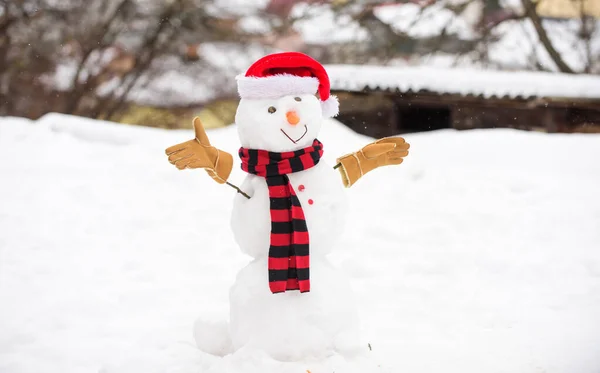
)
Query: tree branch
[
  {"x": 101, "y": 31},
  {"x": 149, "y": 50},
  {"x": 531, "y": 12},
  {"x": 587, "y": 30}
]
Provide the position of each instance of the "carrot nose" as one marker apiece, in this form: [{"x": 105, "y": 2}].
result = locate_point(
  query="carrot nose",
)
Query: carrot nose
[{"x": 292, "y": 117}]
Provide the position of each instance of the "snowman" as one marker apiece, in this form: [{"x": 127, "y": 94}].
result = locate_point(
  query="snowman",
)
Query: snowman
[{"x": 289, "y": 302}]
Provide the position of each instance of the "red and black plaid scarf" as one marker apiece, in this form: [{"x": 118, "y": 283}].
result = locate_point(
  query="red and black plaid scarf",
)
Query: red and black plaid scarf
[{"x": 288, "y": 251}]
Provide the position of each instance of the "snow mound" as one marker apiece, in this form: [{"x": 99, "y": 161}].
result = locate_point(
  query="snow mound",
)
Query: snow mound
[
  {"x": 478, "y": 254},
  {"x": 213, "y": 337}
]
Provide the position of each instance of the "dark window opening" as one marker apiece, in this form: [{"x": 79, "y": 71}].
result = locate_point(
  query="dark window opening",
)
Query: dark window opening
[
  {"x": 376, "y": 123},
  {"x": 418, "y": 119},
  {"x": 582, "y": 120},
  {"x": 583, "y": 116}
]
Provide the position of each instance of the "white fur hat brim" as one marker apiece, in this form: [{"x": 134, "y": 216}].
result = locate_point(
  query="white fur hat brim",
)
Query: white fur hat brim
[{"x": 277, "y": 86}]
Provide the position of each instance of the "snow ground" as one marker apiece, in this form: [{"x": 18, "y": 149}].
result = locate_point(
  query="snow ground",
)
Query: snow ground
[{"x": 481, "y": 253}]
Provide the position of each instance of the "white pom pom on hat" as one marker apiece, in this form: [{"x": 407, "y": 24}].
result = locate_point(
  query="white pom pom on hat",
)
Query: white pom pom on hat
[{"x": 283, "y": 74}]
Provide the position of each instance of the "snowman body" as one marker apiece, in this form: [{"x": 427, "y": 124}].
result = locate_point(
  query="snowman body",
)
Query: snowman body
[
  {"x": 323, "y": 201},
  {"x": 290, "y": 325}
]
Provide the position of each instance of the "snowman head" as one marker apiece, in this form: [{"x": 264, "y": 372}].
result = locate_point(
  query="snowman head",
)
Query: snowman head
[
  {"x": 279, "y": 124},
  {"x": 279, "y": 109}
]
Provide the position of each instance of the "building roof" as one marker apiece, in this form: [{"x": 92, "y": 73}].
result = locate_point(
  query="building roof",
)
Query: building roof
[
  {"x": 568, "y": 8},
  {"x": 465, "y": 82}
]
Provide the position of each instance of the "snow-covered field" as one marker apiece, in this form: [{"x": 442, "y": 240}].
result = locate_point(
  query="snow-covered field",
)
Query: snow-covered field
[{"x": 481, "y": 253}]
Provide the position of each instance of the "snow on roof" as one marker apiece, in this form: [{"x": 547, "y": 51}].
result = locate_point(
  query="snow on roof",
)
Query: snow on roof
[{"x": 486, "y": 83}]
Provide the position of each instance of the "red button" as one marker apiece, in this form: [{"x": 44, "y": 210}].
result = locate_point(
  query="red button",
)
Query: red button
[
  {"x": 310, "y": 201},
  {"x": 301, "y": 187}
]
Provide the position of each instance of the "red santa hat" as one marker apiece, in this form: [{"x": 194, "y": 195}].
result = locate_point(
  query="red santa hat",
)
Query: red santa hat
[{"x": 284, "y": 74}]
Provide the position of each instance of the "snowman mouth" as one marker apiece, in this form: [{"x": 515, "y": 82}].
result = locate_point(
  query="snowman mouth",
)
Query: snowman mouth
[{"x": 298, "y": 139}]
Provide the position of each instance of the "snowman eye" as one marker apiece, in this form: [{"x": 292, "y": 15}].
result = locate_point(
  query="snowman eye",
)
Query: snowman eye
[
  {"x": 297, "y": 99},
  {"x": 272, "y": 109}
]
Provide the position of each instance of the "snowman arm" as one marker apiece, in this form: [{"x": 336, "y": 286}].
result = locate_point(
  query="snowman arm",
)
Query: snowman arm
[
  {"x": 384, "y": 152},
  {"x": 240, "y": 191},
  {"x": 349, "y": 168}
]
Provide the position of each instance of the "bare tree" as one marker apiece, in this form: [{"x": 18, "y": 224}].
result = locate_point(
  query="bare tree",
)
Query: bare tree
[
  {"x": 487, "y": 21},
  {"x": 85, "y": 57},
  {"x": 93, "y": 57},
  {"x": 543, "y": 36}
]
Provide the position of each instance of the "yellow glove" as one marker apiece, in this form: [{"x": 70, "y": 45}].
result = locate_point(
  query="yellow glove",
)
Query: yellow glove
[
  {"x": 198, "y": 153},
  {"x": 384, "y": 152}
]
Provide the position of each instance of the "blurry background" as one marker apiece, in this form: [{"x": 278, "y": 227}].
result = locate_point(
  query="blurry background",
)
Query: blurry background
[
  {"x": 409, "y": 65},
  {"x": 480, "y": 253}
]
